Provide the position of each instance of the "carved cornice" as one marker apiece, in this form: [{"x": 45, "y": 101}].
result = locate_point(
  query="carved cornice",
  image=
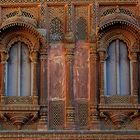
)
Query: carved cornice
[
  {"x": 99, "y": 1},
  {"x": 84, "y": 135}
]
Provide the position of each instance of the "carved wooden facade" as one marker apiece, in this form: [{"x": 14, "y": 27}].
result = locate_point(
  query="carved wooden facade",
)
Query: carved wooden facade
[{"x": 63, "y": 66}]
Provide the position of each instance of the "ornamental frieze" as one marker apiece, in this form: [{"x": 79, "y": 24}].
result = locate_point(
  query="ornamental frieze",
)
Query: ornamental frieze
[{"x": 38, "y": 1}]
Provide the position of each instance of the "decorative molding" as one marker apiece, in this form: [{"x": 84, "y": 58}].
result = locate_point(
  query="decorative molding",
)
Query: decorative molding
[
  {"x": 100, "y": 1},
  {"x": 13, "y": 100}
]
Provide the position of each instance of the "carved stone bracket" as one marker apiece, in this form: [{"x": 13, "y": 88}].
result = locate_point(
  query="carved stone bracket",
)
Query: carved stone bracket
[
  {"x": 118, "y": 117},
  {"x": 20, "y": 118}
]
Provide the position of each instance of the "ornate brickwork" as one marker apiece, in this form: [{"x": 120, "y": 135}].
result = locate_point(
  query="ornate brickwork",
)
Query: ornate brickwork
[{"x": 68, "y": 43}]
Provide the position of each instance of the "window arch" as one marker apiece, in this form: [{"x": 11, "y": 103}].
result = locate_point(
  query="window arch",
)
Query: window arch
[
  {"x": 117, "y": 69},
  {"x": 18, "y": 71}
]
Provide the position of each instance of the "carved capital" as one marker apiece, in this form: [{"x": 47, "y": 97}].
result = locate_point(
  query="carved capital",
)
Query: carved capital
[
  {"x": 102, "y": 55},
  {"x": 43, "y": 43},
  {"x": 93, "y": 37},
  {"x": 69, "y": 52},
  {"x": 4, "y": 56},
  {"x": 93, "y": 54},
  {"x": 43, "y": 54},
  {"x": 33, "y": 56},
  {"x": 133, "y": 57},
  {"x": 69, "y": 37}
]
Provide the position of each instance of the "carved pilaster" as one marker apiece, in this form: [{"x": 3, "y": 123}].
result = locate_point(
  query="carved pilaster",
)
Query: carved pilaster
[
  {"x": 102, "y": 55},
  {"x": 134, "y": 59},
  {"x": 43, "y": 122},
  {"x": 33, "y": 57},
  {"x": 93, "y": 87},
  {"x": 4, "y": 58},
  {"x": 69, "y": 86},
  {"x": 43, "y": 76},
  {"x": 69, "y": 56}
]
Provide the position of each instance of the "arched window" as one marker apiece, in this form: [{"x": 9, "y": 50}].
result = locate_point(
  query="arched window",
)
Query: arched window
[
  {"x": 18, "y": 71},
  {"x": 117, "y": 71}
]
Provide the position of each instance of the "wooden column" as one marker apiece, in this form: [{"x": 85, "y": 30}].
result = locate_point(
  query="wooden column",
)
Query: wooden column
[
  {"x": 34, "y": 56},
  {"x": 4, "y": 57},
  {"x": 134, "y": 59},
  {"x": 70, "y": 110},
  {"x": 94, "y": 123},
  {"x": 102, "y": 55},
  {"x": 43, "y": 122}
]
